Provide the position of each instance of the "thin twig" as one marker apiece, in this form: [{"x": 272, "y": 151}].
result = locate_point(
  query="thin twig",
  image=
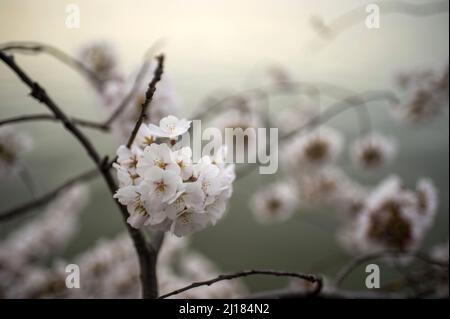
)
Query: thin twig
[
  {"x": 245, "y": 273},
  {"x": 46, "y": 198},
  {"x": 358, "y": 261},
  {"x": 50, "y": 117},
  {"x": 148, "y": 98}
]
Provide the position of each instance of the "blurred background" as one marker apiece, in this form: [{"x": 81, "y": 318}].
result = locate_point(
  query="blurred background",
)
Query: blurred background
[{"x": 212, "y": 45}]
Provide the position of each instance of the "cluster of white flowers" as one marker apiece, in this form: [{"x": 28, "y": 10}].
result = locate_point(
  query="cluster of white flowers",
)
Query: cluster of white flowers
[
  {"x": 12, "y": 146},
  {"x": 275, "y": 203},
  {"x": 163, "y": 188},
  {"x": 393, "y": 218},
  {"x": 426, "y": 95},
  {"x": 373, "y": 151}
]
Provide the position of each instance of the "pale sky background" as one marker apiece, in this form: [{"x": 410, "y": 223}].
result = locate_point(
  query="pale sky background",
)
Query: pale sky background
[{"x": 222, "y": 40}]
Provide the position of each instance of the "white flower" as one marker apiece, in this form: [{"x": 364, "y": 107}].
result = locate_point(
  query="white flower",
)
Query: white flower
[
  {"x": 275, "y": 203},
  {"x": 160, "y": 185},
  {"x": 157, "y": 155},
  {"x": 183, "y": 158},
  {"x": 131, "y": 196},
  {"x": 191, "y": 196},
  {"x": 189, "y": 221},
  {"x": 373, "y": 151},
  {"x": 144, "y": 137},
  {"x": 170, "y": 127}
]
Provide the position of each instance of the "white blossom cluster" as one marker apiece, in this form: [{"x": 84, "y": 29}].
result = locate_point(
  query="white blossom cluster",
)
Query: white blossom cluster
[
  {"x": 12, "y": 146},
  {"x": 163, "y": 188}
]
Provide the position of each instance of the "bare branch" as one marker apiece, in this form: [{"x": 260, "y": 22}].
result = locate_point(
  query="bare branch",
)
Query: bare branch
[
  {"x": 245, "y": 273},
  {"x": 50, "y": 117},
  {"x": 148, "y": 98},
  {"x": 36, "y": 47},
  {"x": 358, "y": 261},
  {"x": 48, "y": 197}
]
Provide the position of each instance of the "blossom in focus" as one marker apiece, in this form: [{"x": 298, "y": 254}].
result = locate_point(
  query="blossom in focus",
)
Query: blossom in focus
[
  {"x": 164, "y": 189},
  {"x": 274, "y": 203},
  {"x": 12, "y": 146},
  {"x": 373, "y": 151},
  {"x": 170, "y": 127}
]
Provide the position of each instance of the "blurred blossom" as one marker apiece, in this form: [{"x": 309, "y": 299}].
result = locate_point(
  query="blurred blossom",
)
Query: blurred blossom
[
  {"x": 313, "y": 150},
  {"x": 393, "y": 219},
  {"x": 295, "y": 117},
  {"x": 325, "y": 186},
  {"x": 110, "y": 269},
  {"x": 102, "y": 59},
  {"x": 12, "y": 146},
  {"x": 439, "y": 253},
  {"x": 373, "y": 151},
  {"x": 281, "y": 78},
  {"x": 275, "y": 203},
  {"x": 426, "y": 95},
  {"x": 23, "y": 249}
]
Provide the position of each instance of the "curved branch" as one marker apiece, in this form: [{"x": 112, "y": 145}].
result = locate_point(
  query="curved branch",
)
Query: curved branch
[
  {"x": 340, "y": 24},
  {"x": 37, "y": 47},
  {"x": 358, "y": 261},
  {"x": 245, "y": 273},
  {"x": 45, "y": 199}
]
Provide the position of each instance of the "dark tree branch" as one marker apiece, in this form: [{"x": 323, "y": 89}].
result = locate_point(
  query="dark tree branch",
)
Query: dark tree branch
[
  {"x": 310, "y": 278},
  {"x": 148, "y": 98},
  {"x": 48, "y": 197},
  {"x": 147, "y": 255}
]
